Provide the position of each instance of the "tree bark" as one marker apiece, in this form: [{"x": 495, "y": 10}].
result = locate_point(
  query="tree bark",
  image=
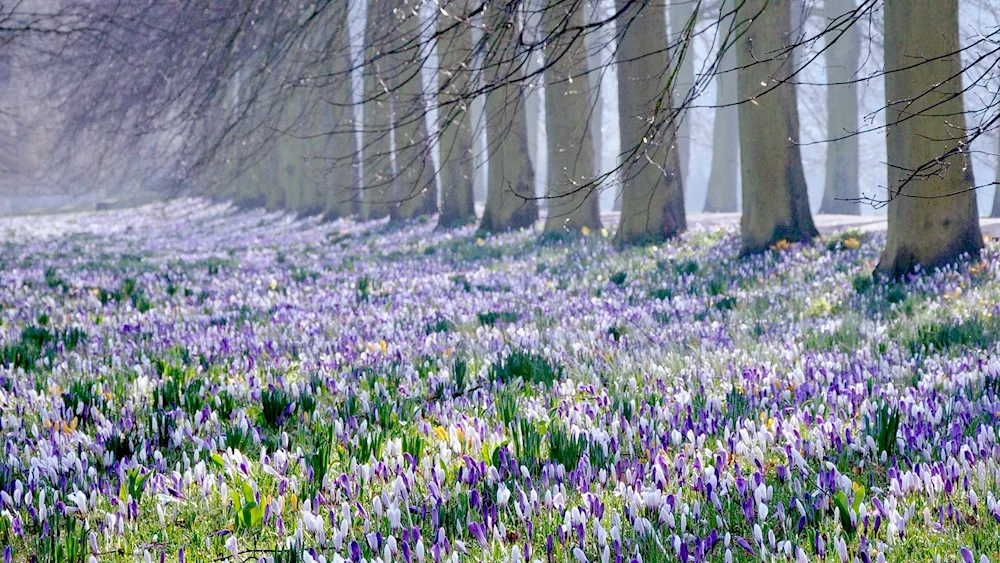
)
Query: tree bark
[
  {"x": 573, "y": 201},
  {"x": 341, "y": 145},
  {"x": 723, "y": 178},
  {"x": 679, "y": 13},
  {"x": 775, "y": 198},
  {"x": 841, "y": 191},
  {"x": 653, "y": 191},
  {"x": 417, "y": 192},
  {"x": 454, "y": 117},
  {"x": 379, "y": 177},
  {"x": 995, "y": 212},
  {"x": 933, "y": 218},
  {"x": 510, "y": 198}
]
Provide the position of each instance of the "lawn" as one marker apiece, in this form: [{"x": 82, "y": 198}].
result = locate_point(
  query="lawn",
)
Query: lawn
[{"x": 188, "y": 382}]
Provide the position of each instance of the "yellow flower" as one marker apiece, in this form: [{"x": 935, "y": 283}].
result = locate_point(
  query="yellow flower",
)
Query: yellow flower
[
  {"x": 440, "y": 432},
  {"x": 851, "y": 243},
  {"x": 585, "y": 230},
  {"x": 480, "y": 242},
  {"x": 604, "y": 232},
  {"x": 383, "y": 345},
  {"x": 781, "y": 245},
  {"x": 274, "y": 284}
]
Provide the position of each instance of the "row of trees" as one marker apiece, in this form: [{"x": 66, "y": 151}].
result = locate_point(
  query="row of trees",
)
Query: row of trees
[{"x": 260, "y": 102}]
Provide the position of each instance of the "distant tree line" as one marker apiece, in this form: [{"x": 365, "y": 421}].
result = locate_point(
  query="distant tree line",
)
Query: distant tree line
[{"x": 309, "y": 108}]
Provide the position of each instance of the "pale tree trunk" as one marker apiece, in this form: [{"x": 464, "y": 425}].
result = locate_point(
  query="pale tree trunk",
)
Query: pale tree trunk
[
  {"x": 573, "y": 201},
  {"x": 840, "y": 194},
  {"x": 510, "y": 198},
  {"x": 534, "y": 99},
  {"x": 313, "y": 158},
  {"x": 417, "y": 193},
  {"x": 680, "y": 13},
  {"x": 995, "y": 212},
  {"x": 455, "y": 121},
  {"x": 592, "y": 43},
  {"x": 653, "y": 191},
  {"x": 724, "y": 177},
  {"x": 379, "y": 179},
  {"x": 342, "y": 178},
  {"x": 775, "y": 198},
  {"x": 933, "y": 218}
]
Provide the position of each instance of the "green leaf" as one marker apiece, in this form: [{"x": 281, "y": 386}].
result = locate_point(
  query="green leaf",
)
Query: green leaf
[
  {"x": 248, "y": 491},
  {"x": 495, "y": 456},
  {"x": 840, "y": 499},
  {"x": 217, "y": 460}
]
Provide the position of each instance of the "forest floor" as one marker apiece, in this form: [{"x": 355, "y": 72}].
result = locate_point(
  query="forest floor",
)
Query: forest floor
[{"x": 185, "y": 382}]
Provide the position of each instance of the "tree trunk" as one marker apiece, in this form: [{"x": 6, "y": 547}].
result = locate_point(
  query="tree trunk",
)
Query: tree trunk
[
  {"x": 933, "y": 218},
  {"x": 723, "y": 179},
  {"x": 840, "y": 194},
  {"x": 417, "y": 194},
  {"x": 995, "y": 212},
  {"x": 454, "y": 117},
  {"x": 775, "y": 198},
  {"x": 573, "y": 201},
  {"x": 341, "y": 146},
  {"x": 379, "y": 178},
  {"x": 680, "y": 12},
  {"x": 510, "y": 198},
  {"x": 652, "y": 192}
]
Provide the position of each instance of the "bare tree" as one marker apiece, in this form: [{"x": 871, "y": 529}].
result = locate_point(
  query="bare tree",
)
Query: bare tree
[
  {"x": 653, "y": 192},
  {"x": 775, "y": 198},
  {"x": 510, "y": 201},
  {"x": 572, "y": 205},
  {"x": 933, "y": 216},
  {"x": 723, "y": 178},
  {"x": 842, "y": 187},
  {"x": 457, "y": 62}
]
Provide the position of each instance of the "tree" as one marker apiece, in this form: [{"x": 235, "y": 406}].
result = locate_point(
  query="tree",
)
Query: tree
[
  {"x": 841, "y": 191},
  {"x": 652, "y": 192},
  {"x": 775, "y": 198},
  {"x": 417, "y": 194},
  {"x": 573, "y": 204},
  {"x": 341, "y": 145},
  {"x": 933, "y": 218},
  {"x": 995, "y": 212},
  {"x": 379, "y": 177},
  {"x": 680, "y": 14},
  {"x": 723, "y": 178},
  {"x": 455, "y": 119},
  {"x": 510, "y": 198}
]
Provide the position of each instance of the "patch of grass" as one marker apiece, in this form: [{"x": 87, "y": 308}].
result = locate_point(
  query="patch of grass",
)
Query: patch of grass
[
  {"x": 275, "y": 406},
  {"x": 440, "y": 325},
  {"x": 564, "y": 448},
  {"x": 491, "y": 318},
  {"x": 883, "y": 427},
  {"x": 527, "y": 366},
  {"x": 974, "y": 332},
  {"x": 662, "y": 293}
]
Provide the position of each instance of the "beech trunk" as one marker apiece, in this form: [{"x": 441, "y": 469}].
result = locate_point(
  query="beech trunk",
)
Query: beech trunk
[
  {"x": 510, "y": 198},
  {"x": 653, "y": 191},
  {"x": 933, "y": 218},
  {"x": 775, "y": 198},
  {"x": 573, "y": 203}
]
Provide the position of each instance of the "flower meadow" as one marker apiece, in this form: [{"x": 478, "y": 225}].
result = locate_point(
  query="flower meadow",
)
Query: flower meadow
[{"x": 189, "y": 382}]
